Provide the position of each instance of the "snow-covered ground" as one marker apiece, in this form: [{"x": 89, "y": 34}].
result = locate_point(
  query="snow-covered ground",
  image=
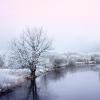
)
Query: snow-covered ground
[{"x": 10, "y": 78}]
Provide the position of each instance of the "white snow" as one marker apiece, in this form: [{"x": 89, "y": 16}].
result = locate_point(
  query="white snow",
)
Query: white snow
[{"x": 12, "y": 77}]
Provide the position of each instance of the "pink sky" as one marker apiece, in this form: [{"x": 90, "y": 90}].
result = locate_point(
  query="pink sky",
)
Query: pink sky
[
  {"x": 75, "y": 18},
  {"x": 83, "y": 11}
]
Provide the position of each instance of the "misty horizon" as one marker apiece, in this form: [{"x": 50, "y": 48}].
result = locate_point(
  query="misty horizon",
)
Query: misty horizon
[{"x": 74, "y": 26}]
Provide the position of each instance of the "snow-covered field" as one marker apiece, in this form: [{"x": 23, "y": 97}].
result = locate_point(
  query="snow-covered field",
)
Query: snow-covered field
[{"x": 11, "y": 78}]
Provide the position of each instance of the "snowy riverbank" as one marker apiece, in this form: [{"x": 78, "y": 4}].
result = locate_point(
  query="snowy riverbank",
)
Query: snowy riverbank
[{"x": 11, "y": 78}]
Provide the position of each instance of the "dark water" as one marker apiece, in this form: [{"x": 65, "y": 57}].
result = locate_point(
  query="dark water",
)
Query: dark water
[{"x": 71, "y": 83}]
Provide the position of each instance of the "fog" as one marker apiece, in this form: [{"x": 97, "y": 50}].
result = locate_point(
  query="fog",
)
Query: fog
[{"x": 73, "y": 25}]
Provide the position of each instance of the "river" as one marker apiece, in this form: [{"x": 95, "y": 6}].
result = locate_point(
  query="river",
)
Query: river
[{"x": 70, "y": 83}]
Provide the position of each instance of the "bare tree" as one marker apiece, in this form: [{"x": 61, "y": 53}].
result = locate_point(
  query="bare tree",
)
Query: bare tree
[{"x": 30, "y": 48}]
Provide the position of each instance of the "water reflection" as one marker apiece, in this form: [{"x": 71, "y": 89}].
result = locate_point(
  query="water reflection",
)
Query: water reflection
[
  {"x": 99, "y": 76},
  {"x": 55, "y": 75},
  {"x": 32, "y": 93},
  {"x": 28, "y": 91},
  {"x": 58, "y": 74},
  {"x": 61, "y": 84}
]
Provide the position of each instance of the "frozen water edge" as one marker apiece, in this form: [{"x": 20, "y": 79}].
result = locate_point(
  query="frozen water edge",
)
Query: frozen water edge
[{"x": 11, "y": 78}]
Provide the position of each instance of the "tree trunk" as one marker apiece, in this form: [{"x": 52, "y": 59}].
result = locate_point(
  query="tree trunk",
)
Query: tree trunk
[{"x": 33, "y": 72}]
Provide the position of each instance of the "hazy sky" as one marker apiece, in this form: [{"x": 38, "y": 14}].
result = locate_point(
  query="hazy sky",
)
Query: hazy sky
[{"x": 74, "y": 25}]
